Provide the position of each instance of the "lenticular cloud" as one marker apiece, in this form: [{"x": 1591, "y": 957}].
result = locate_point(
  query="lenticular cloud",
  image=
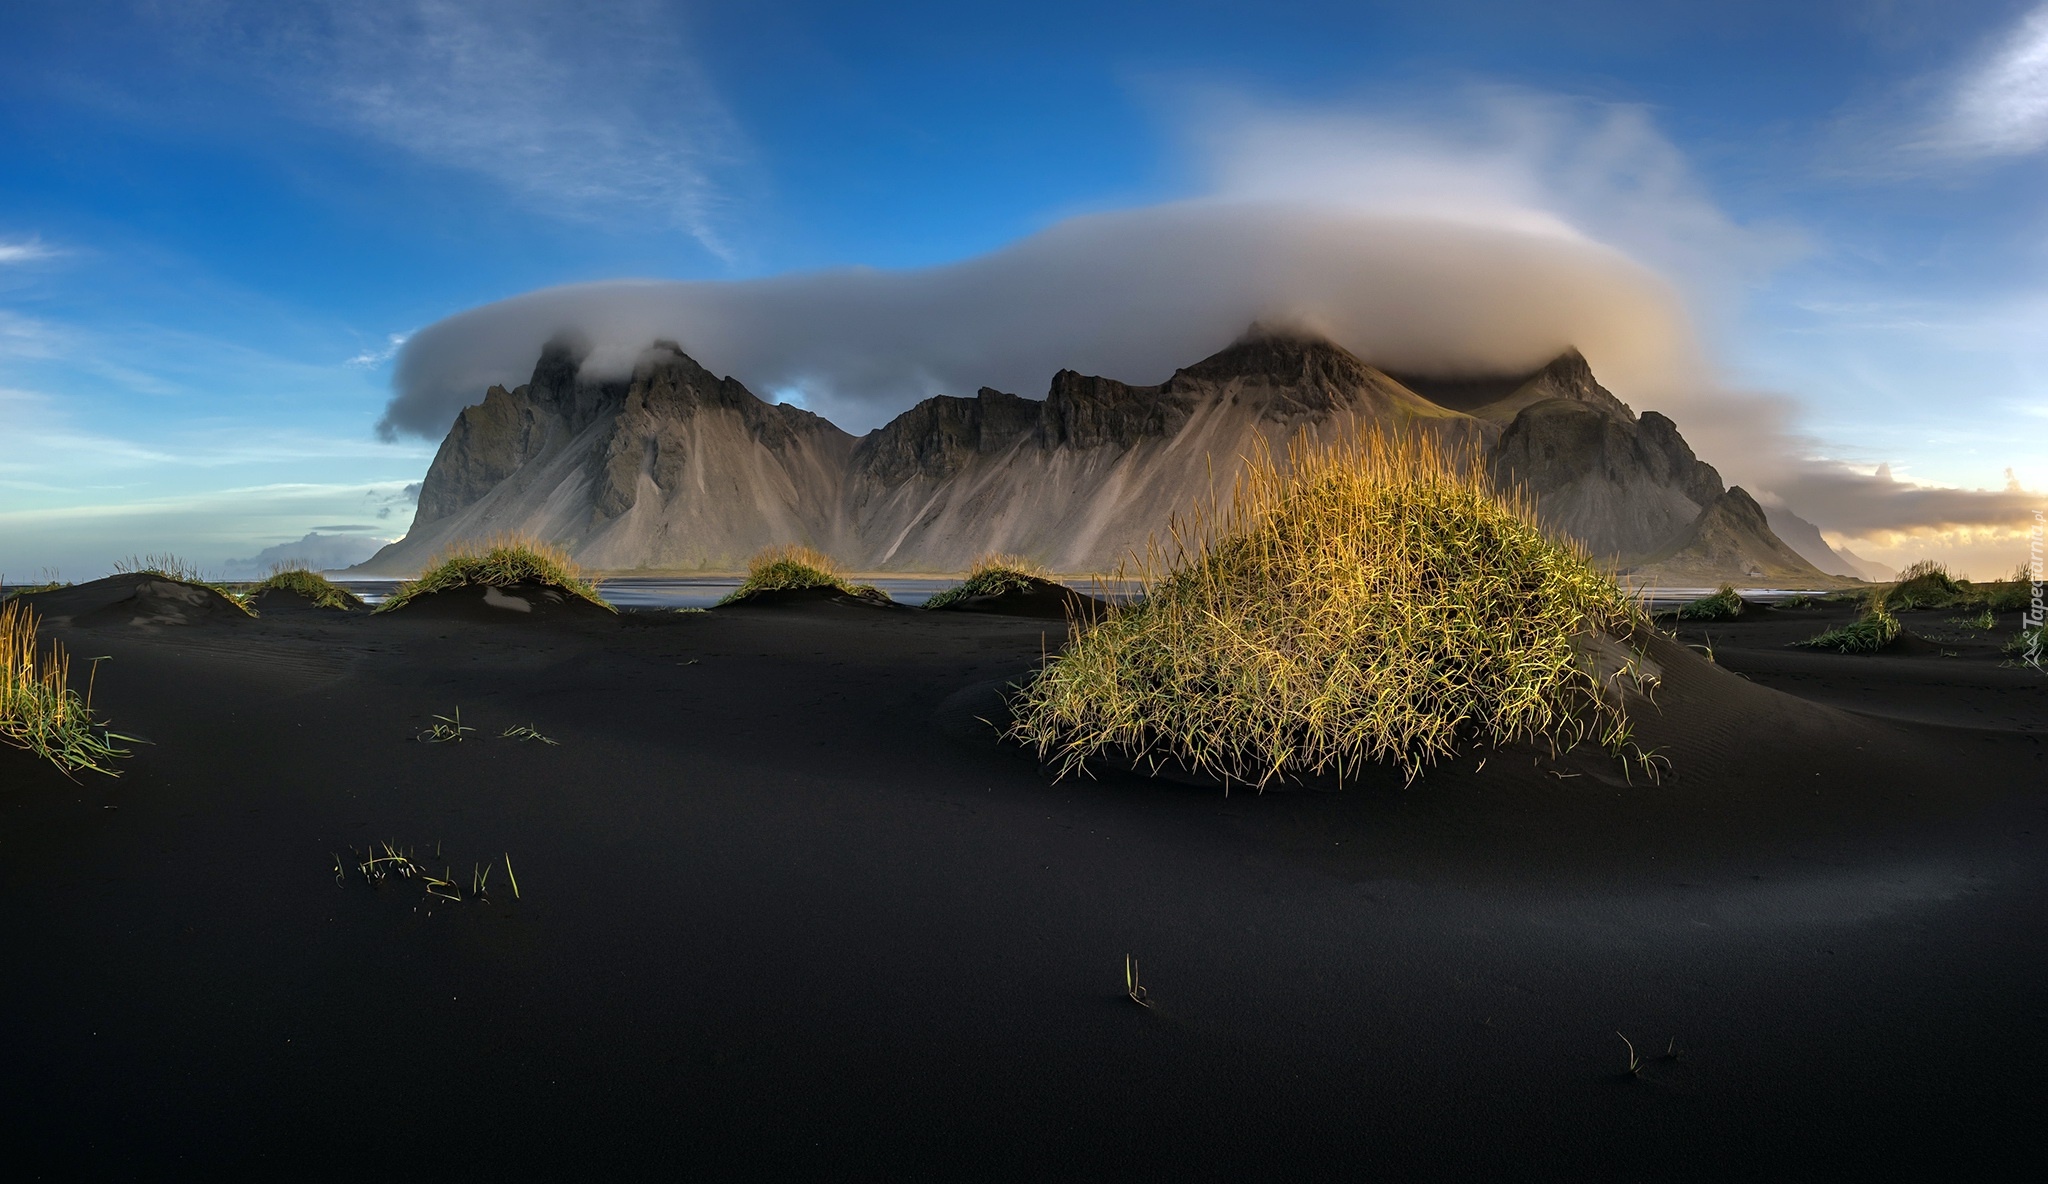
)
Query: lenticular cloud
[{"x": 1131, "y": 295}]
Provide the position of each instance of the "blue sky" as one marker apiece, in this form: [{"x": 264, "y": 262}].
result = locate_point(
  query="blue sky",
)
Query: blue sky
[{"x": 218, "y": 219}]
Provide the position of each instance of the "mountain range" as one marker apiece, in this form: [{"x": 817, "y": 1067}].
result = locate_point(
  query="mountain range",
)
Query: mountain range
[{"x": 676, "y": 469}]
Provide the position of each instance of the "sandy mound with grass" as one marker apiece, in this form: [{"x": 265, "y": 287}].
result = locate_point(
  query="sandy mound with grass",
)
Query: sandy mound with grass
[
  {"x": 142, "y": 600},
  {"x": 1028, "y": 596},
  {"x": 503, "y": 579},
  {"x": 491, "y": 604},
  {"x": 1371, "y": 602}
]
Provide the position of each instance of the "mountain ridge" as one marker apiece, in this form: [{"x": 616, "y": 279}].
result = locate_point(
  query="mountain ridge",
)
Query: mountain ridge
[{"x": 675, "y": 468}]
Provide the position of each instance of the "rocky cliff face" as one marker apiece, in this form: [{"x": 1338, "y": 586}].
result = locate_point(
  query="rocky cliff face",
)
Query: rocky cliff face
[
  {"x": 679, "y": 469},
  {"x": 1731, "y": 541}
]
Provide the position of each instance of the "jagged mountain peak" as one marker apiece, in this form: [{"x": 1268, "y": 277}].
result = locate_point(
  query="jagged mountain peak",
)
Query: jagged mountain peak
[{"x": 1282, "y": 354}]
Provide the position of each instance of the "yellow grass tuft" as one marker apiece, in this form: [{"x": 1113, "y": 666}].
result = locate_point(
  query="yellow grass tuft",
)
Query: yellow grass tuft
[
  {"x": 298, "y": 578},
  {"x": 496, "y": 563},
  {"x": 38, "y": 709},
  {"x": 793, "y": 567},
  {"x": 992, "y": 575},
  {"x": 1373, "y": 600}
]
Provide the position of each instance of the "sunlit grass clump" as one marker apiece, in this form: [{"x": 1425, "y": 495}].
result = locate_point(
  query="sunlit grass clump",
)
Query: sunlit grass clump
[
  {"x": 793, "y": 568},
  {"x": 1928, "y": 584},
  {"x": 1375, "y": 601},
  {"x": 169, "y": 567},
  {"x": 499, "y": 563},
  {"x": 38, "y": 709},
  {"x": 1724, "y": 605},
  {"x": 1867, "y": 634},
  {"x": 992, "y": 575},
  {"x": 304, "y": 581}
]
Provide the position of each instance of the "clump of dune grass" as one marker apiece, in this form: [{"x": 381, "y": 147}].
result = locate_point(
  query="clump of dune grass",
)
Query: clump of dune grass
[
  {"x": 1372, "y": 601},
  {"x": 1867, "y": 634},
  {"x": 166, "y": 566},
  {"x": 1725, "y": 605},
  {"x": 498, "y": 563},
  {"x": 2012, "y": 594},
  {"x": 793, "y": 568},
  {"x": 992, "y": 575},
  {"x": 1928, "y": 584},
  {"x": 304, "y": 581},
  {"x": 38, "y": 709}
]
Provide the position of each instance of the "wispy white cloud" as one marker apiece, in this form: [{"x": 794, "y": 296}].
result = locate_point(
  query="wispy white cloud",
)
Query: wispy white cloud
[
  {"x": 29, "y": 337},
  {"x": 588, "y": 110},
  {"x": 377, "y": 357},
  {"x": 1502, "y": 157},
  {"x": 25, "y": 250},
  {"x": 2000, "y": 106}
]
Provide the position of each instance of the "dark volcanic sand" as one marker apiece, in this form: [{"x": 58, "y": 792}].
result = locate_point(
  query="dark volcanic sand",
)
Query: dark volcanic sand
[{"x": 790, "y": 911}]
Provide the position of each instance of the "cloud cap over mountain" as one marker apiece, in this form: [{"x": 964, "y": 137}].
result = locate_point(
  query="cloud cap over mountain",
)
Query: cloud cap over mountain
[{"x": 1129, "y": 294}]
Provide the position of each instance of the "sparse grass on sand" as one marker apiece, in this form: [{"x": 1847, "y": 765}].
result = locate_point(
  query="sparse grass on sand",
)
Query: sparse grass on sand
[
  {"x": 1867, "y": 634},
  {"x": 1725, "y": 605},
  {"x": 498, "y": 563},
  {"x": 170, "y": 567},
  {"x": 49, "y": 583},
  {"x": 1372, "y": 601},
  {"x": 310, "y": 584},
  {"x": 992, "y": 575},
  {"x": 38, "y": 709},
  {"x": 792, "y": 568}
]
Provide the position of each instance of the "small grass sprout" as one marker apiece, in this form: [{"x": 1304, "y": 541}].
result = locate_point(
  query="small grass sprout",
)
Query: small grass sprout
[
  {"x": 39, "y": 711},
  {"x": 497, "y": 563},
  {"x": 992, "y": 575},
  {"x": 304, "y": 581},
  {"x": 1724, "y": 605},
  {"x": 386, "y": 861},
  {"x": 794, "y": 567},
  {"x": 1132, "y": 987},
  {"x": 527, "y": 732},
  {"x": 1867, "y": 634},
  {"x": 1374, "y": 600},
  {"x": 1635, "y": 1059},
  {"x": 446, "y": 729}
]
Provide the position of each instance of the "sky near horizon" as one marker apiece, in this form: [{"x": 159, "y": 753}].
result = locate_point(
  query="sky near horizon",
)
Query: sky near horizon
[{"x": 221, "y": 222}]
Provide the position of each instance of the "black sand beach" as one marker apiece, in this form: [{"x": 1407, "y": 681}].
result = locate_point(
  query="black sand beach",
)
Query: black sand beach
[{"x": 788, "y": 909}]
